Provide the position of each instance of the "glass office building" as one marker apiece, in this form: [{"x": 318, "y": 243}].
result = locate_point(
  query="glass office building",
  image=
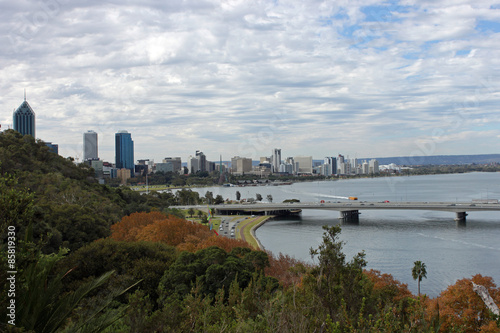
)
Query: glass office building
[
  {"x": 124, "y": 151},
  {"x": 24, "y": 119}
]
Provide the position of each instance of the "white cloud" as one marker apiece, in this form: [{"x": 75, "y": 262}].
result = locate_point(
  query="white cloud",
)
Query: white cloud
[{"x": 238, "y": 77}]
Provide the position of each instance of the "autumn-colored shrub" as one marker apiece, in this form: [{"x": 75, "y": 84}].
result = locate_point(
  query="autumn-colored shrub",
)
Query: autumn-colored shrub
[
  {"x": 386, "y": 286},
  {"x": 171, "y": 230},
  {"x": 462, "y": 310},
  {"x": 286, "y": 269},
  {"x": 129, "y": 226}
]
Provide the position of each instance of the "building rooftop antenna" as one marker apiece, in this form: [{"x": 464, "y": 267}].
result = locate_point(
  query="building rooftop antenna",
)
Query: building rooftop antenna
[{"x": 25, "y": 94}]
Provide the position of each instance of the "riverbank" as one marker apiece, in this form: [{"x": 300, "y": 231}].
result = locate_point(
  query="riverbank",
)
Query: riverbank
[{"x": 247, "y": 230}]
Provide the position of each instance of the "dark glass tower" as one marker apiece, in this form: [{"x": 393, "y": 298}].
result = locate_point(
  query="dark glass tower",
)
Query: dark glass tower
[
  {"x": 24, "y": 119},
  {"x": 124, "y": 151}
]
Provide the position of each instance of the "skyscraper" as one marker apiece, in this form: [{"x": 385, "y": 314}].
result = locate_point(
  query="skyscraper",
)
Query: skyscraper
[
  {"x": 90, "y": 151},
  {"x": 124, "y": 151},
  {"x": 202, "y": 161},
  {"x": 276, "y": 160},
  {"x": 24, "y": 119}
]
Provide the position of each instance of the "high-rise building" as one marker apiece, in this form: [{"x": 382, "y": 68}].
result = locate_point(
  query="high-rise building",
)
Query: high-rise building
[
  {"x": 193, "y": 164},
  {"x": 124, "y": 151},
  {"x": 24, "y": 119},
  {"x": 90, "y": 147},
  {"x": 176, "y": 162},
  {"x": 276, "y": 160},
  {"x": 373, "y": 165},
  {"x": 202, "y": 161},
  {"x": 241, "y": 165},
  {"x": 366, "y": 168},
  {"x": 305, "y": 164},
  {"x": 332, "y": 162}
]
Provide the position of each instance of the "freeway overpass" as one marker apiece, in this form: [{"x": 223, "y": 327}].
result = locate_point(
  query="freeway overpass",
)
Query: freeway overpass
[{"x": 349, "y": 211}]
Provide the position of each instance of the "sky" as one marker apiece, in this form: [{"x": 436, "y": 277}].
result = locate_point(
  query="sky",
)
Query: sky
[{"x": 239, "y": 78}]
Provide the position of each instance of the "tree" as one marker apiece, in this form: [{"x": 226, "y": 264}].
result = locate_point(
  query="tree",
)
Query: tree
[
  {"x": 338, "y": 284},
  {"x": 269, "y": 198},
  {"x": 200, "y": 214},
  {"x": 238, "y": 195},
  {"x": 44, "y": 306},
  {"x": 418, "y": 273},
  {"x": 209, "y": 196},
  {"x": 129, "y": 226},
  {"x": 191, "y": 212},
  {"x": 219, "y": 199},
  {"x": 462, "y": 310},
  {"x": 258, "y": 197}
]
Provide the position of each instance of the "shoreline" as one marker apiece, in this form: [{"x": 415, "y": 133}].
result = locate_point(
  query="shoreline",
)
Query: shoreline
[{"x": 254, "y": 225}]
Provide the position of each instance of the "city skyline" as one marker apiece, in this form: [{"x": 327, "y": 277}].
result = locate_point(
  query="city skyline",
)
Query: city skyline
[{"x": 370, "y": 79}]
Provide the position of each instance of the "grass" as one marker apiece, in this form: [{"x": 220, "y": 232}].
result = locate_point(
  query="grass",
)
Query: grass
[{"x": 248, "y": 225}]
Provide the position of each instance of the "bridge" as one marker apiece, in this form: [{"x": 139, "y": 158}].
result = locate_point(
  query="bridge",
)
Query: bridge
[{"x": 349, "y": 211}]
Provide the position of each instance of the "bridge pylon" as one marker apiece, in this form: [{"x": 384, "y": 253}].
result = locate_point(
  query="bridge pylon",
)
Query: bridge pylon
[
  {"x": 349, "y": 216},
  {"x": 461, "y": 218}
]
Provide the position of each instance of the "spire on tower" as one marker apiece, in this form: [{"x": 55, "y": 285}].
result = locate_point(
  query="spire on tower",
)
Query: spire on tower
[{"x": 25, "y": 94}]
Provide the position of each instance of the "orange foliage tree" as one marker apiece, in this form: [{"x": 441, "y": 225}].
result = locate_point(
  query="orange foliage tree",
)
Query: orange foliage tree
[
  {"x": 387, "y": 285},
  {"x": 129, "y": 226},
  {"x": 224, "y": 243},
  {"x": 286, "y": 269},
  {"x": 171, "y": 230},
  {"x": 462, "y": 310}
]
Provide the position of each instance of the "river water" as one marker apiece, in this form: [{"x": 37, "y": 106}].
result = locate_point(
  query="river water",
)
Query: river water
[{"x": 393, "y": 239}]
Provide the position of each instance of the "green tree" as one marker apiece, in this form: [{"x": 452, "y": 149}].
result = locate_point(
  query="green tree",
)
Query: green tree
[
  {"x": 258, "y": 197},
  {"x": 43, "y": 306},
  {"x": 191, "y": 212},
  {"x": 339, "y": 285},
  {"x": 16, "y": 205},
  {"x": 269, "y": 198},
  {"x": 418, "y": 272},
  {"x": 209, "y": 196},
  {"x": 218, "y": 199},
  {"x": 238, "y": 195}
]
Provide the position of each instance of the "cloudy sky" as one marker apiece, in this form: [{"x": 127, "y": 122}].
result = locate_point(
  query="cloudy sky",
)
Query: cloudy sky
[{"x": 362, "y": 78}]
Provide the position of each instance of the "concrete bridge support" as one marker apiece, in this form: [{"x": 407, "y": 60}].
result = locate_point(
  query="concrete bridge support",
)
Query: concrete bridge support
[
  {"x": 461, "y": 218},
  {"x": 350, "y": 216}
]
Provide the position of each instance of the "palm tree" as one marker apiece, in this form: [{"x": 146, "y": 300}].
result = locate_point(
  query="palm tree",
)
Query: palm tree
[{"x": 419, "y": 272}]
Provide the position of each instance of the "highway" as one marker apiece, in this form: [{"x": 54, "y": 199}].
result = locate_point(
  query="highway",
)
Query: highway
[{"x": 357, "y": 205}]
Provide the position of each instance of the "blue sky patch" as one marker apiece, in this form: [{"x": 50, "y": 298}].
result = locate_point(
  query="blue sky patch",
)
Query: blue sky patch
[
  {"x": 462, "y": 53},
  {"x": 488, "y": 26}
]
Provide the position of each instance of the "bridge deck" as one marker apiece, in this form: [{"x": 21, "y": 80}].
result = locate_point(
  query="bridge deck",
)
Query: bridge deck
[{"x": 357, "y": 205}]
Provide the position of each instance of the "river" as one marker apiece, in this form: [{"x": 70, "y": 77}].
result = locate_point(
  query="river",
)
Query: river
[{"x": 392, "y": 239}]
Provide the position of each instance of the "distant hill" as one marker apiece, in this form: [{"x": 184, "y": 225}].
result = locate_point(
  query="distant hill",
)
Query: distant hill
[
  {"x": 419, "y": 160},
  {"x": 441, "y": 159},
  {"x": 434, "y": 160}
]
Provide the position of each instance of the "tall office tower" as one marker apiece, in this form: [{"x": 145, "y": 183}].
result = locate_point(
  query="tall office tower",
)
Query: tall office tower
[
  {"x": 305, "y": 164},
  {"x": 240, "y": 165},
  {"x": 366, "y": 168},
  {"x": 332, "y": 162},
  {"x": 24, "y": 119},
  {"x": 90, "y": 151},
  {"x": 124, "y": 151},
  {"x": 276, "y": 160},
  {"x": 373, "y": 165},
  {"x": 176, "y": 162},
  {"x": 193, "y": 164},
  {"x": 202, "y": 161}
]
